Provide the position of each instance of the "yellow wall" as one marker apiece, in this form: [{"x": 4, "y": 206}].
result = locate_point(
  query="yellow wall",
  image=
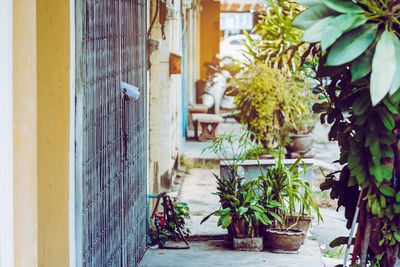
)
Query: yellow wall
[
  {"x": 209, "y": 33},
  {"x": 53, "y": 96},
  {"x": 25, "y": 133}
]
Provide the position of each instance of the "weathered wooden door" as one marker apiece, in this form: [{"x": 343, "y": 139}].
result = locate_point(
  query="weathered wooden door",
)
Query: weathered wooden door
[{"x": 110, "y": 133}]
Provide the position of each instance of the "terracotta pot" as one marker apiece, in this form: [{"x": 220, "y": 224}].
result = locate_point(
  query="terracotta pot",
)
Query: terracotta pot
[
  {"x": 285, "y": 240},
  {"x": 303, "y": 223},
  {"x": 301, "y": 142}
]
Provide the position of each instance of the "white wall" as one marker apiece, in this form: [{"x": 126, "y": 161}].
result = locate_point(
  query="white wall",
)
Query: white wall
[
  {"x": 6, "y": 137},
  {"x": 165, "y": 92}
]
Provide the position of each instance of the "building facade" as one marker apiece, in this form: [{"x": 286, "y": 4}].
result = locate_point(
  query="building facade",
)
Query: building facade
[{"x": 78, "y": 157}]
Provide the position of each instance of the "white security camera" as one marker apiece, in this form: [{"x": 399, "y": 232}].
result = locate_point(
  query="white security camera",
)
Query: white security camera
[{"x": 130, "y": 90}]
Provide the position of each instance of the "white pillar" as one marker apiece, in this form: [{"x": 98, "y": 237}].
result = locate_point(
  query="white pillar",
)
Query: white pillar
[{"x": 6, "y": 136}]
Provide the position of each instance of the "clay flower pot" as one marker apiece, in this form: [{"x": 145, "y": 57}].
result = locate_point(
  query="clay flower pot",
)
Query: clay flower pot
[
  {"x": 303, "y": 223},
  {"x": 285, "y": 241},
  {"x": 301, "y": 142}
]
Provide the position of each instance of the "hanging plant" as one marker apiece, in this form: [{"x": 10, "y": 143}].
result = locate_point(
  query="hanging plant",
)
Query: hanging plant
[{"x": 358, "y": 65}]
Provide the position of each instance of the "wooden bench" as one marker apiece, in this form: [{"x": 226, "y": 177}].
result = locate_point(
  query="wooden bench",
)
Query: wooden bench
[
  {"x": 193, "y": 109},
  {"x": 208, "y": 123}
]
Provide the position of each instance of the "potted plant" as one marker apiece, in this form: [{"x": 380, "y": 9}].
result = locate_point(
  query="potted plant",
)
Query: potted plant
[
  {"x": 240, "y": 211},
  {"x": 268, "y": 100},
  {"x": 283, "y": 185},
  {"x": 301, "y": 139}
]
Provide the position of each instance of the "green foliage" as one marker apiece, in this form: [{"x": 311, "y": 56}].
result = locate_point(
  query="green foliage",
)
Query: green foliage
[
  {"x": 269, "y": 102},
  {"x": 283, "y": 185},
  {"x": 254, "y": 152},
  {"x": 358, "y": 78},
  {"x": 336, "y": 252},
  {"x": 348, "y": 30},
  {"x": 231, "y": 148},
  {"x": 280, "y": 44},
  {"x": 269, "y": 199},
  {"x": 170, "y": 231},
  {"x": 183, "y": 162},
  {"x": 239, "y": 202}
]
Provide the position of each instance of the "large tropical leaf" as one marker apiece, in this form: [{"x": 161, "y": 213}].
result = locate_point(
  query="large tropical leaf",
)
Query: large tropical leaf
[
  {"x": 310, "y": 16},
  {"x": 361, "y": 66},
  {"x": 257, "y": 208},
  {"x": 225, "y": 221},
  {"x": 340, "y": 25},
  {"x": 308, "y": 3},
  {"x": 396, "y": 79},
  {"x": 314, "y": 33},
  {"x": 207, "y": 217},
  {"x": 343, "y": 6},
  {"x": 242, "y": 210},
  {"x": 351, "y": 45},
  {"x": 262, "y": 218},
  {"x": 383, "y": 67},
  {"x": 387, "y": 190}
]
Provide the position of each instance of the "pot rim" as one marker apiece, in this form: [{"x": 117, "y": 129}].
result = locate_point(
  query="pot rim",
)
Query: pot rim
[
  {"x": 256, "y": 237},
  {"x": 301, "y": 135},
  {"x": 285, "y": 232}
]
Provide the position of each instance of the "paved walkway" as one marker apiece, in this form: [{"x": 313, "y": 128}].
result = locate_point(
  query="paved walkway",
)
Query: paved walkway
[
  {"x": 218, "y": 253},
  {"x": 196, "y": 189}
]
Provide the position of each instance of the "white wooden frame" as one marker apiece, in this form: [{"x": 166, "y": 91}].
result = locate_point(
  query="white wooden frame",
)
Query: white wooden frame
[{"x": 6, "y": 136}]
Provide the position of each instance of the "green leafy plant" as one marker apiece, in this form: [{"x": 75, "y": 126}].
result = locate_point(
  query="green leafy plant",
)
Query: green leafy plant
[
  {"x": 240, "y": 208},
  {"x": 256, "y": 151},
  {"x": 240, "y": 205},
  {"x": 183, "y": 162},
  {"x": 268, "y": 100},
  {"x": 169, "y": 230},
  {"x": 336, "y": 252},
  {"x": 230, "y": 147},
  {"x": 358, "y": 61},
  {"x": 286, "y": 187},
  {"x": 280, "y": 46}
]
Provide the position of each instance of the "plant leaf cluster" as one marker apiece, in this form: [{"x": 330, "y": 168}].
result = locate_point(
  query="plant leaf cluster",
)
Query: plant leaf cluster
[
  {"x": 280, "y": 46},
  {"x": 362, "y": 35},
  {"x": 239, "y": 202},
  {"x": 269, "y": 199},
  {"x": 284, "y": 185},
  {"x": 358, "y": 79},
  {"x": 169, "y": 231},
  {"x": 270, "y": 103}
]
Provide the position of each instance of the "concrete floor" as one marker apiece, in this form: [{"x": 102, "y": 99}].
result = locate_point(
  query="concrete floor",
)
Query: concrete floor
[
  {"x": 195, "y": 189},
  {"x": 218, "y": 253}
]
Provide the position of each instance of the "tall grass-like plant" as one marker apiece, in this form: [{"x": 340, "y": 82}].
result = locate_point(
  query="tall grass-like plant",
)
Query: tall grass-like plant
[
  {"x": 286, "y": 187},
  {"x": 239, "y": 202}
]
